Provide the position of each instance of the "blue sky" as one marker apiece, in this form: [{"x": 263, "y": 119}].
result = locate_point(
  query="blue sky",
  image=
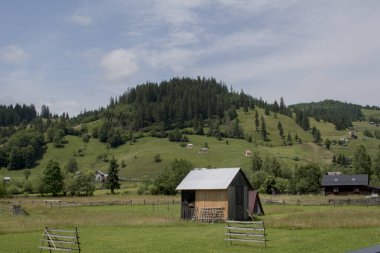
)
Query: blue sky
[{"x": 73, "y": 55}]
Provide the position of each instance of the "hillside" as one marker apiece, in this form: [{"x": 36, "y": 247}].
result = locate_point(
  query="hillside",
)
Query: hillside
[
  {"x": 139, "y": 156},
  {"x": 136, "y": 127}
]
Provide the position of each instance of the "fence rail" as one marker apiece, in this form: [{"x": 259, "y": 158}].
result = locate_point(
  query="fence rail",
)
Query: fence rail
[
  {"x": 245, "y": 231},
  {"x": 60, "y": 240},
  {"x": 336, "y": 202}
]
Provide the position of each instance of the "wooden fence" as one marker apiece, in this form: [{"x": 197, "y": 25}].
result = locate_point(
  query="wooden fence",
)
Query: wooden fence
[
  {"x": 246, "y": 231},
  {"x": 60, "y": 203},
  {"x": 335, "y": 202},
  {"x": 60, "y": 240}
]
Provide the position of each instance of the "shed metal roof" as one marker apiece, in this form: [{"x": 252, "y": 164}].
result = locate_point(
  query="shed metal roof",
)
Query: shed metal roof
[
  {"x": 340, "y": 180},
  {"x": 208, "y": 179}
]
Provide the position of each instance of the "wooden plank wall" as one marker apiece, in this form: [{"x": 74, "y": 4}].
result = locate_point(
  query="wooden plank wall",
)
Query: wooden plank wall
[{"x": 212, "y": 199}]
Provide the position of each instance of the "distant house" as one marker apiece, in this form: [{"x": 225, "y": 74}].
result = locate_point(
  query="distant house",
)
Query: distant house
[
  {"x": 374, "y": 249},
  {"x": 6, "y": 179},
  {"x": 352, "y": 135},
  {"x": 248, "y": 152},
  {"x": 223, "y": 190},
  {"x": 190, "y": 145},
  {"x": 203, "y": 151},
  {"x": 100, "y": 176},
  {"x": 346, "y": 184}
]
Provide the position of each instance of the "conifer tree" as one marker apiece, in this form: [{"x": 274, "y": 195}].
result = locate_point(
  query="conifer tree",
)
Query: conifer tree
[
  {"x": 113, "y": 176},
  {"x": 280, "y": 129},
  {"x": 362, "y": 161},
  {"x": 289, "y": 140},
  {"x": 264, "y": 132},
  {"x": 257, "y": 121}
]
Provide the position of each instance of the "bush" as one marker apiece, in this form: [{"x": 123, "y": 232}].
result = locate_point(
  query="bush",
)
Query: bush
[
  {"x": 157, "y": 158},
  {"x": 141, "y": 190},
  {"x": 3, "y": 190},
  {"x": 15, "y": 187},
  {"x": 368, "y": 133}
]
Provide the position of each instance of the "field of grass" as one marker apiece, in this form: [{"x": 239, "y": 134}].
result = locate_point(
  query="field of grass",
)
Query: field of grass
[{"x": 140, "y": 228}]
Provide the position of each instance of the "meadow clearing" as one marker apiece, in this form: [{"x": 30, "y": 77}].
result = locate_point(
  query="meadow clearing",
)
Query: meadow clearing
[{"x": 158, "y": 228}]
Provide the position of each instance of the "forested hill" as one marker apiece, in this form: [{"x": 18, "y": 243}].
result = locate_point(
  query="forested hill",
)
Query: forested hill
[
  {"x": 339, "y": 113},
  {"x": 176, "y": 103}
]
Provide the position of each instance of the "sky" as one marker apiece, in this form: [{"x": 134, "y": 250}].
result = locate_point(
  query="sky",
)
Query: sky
[{"x": 74, "y": 55}]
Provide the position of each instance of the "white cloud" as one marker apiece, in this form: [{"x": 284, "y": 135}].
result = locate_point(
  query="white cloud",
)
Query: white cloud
[
  {"x": 81, "y": 20},
  {"x": 177, "y": 13},
  {"x": 182, "y": 38},
  {"x": 119, "y": 64},
  {"x": 13, "y": 54},
  {"x": 62, "y": 106},
  {"x": 175, "y": 59}
]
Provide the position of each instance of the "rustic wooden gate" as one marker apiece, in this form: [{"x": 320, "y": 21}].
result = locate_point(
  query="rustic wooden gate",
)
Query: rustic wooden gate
[
  {"x": 246, "y": 231},
  {"x": 60, "y": 240}
]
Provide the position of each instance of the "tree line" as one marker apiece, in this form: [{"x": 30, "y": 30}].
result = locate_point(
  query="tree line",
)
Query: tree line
[
  {"x": 15, "y": 115},
  {"x": 341, "y": 114}
]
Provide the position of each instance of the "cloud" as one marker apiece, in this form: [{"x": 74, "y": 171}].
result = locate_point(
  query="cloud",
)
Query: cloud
[
  {"x": 62, "y": 106},
  {"x": 177, "y": 13},
  {"x": 81, "y": 20},
  {"x": 119, "y": 64},
  {"x": 13, "y": 54}
]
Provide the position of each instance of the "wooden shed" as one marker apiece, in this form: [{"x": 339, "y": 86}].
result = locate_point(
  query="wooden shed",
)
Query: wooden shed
[{"x": 225, "y": 191}]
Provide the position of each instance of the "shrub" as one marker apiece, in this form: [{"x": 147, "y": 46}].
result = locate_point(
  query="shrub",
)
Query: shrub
[
  {"x": 157, "y": 158},
  {"x": 141, "y": 190}
]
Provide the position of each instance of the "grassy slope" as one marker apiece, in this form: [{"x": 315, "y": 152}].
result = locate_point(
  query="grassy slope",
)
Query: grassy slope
[
  {"x": 140, "y": 156},
  {"x": 139, "y": 228}
]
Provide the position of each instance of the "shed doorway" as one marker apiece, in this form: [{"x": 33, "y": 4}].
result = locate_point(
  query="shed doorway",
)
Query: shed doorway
[
  {"x": 187, "y": 205},
  {"x": 239, "y": 202}
]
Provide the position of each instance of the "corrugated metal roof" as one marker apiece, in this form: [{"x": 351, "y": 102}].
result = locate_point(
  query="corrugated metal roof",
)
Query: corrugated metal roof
[
  {"x": 208, "y": 179},
  {"x": 337, "y": 180}
]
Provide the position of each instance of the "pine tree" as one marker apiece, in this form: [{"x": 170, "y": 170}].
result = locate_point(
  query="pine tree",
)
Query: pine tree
[
  {"x": 289, "y": 140},
  {"x": 282, "y": 108},
  {"x": 280, "y": 129},
  {"x": 362, "y": 161},
  {"x": 257, "y": 121},
  {"x": 113, "y": 177},
  {"x": 267, "y": 112},
  {"x": 264, "y": 132},
  {"x": 276, "y": 108},
  {"x": 327, "y": 143}
]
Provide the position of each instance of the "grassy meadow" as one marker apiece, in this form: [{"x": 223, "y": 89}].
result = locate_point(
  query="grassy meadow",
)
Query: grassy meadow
[{"x": 142, "y": 228}]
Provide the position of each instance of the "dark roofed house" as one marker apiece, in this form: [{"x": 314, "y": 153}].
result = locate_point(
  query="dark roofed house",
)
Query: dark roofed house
[
  {"x": 374, "y": 249},
  {"x": 226, "y": 191},
  {"x": 345, "y": 184}
]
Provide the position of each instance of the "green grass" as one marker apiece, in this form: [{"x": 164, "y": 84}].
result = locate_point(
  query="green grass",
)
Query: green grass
[
  {"x": 371, "y": 113},
  {"x": 140, "y": 229}
]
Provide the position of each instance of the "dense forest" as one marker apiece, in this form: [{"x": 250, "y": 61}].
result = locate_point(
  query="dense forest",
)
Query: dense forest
[
  {"x": 14, "y": 115},
  {"x": 339, "y": 113}
]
